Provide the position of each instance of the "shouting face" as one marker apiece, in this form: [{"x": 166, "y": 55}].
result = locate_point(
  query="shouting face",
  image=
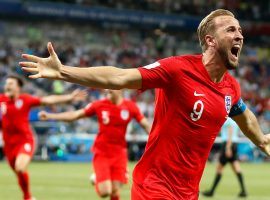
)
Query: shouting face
[{"x": 228, "y": 40}]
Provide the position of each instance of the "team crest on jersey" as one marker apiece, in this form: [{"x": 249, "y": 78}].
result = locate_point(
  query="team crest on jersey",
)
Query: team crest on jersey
[
  {"x": 124, "y": 114},
  {"x": 228, "y": 103},
  {"x": 3, "y": 107},
  {"x": 19, "y": 103}
]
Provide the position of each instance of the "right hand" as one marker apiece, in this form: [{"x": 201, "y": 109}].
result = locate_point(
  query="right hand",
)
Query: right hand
[
  {"x": 43, "y": 67},
  {"x": 43, "y": 115}
]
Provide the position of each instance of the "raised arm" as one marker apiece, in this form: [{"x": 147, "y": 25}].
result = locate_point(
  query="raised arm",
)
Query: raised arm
[
  {"x": 145, "y": 125},
  {"x": 98, "y": 77},
  {"x": 64, "y": 116},
  {"x": 76, "y": 95},
  {"x": 250, "y": 127}
]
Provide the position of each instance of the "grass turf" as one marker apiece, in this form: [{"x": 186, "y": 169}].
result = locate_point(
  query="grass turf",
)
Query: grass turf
[{"x": 69, "y": 181}]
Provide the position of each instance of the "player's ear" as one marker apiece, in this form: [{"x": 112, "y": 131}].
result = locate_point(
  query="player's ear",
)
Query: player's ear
[{"x": 210, "y": 41}]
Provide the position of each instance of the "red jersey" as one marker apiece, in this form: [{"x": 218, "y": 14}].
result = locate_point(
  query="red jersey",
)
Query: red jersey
[
  {"x": 15, "y": 118},
  {"x": 190, "y": 111},
  {"x": 113, "y": 120}
]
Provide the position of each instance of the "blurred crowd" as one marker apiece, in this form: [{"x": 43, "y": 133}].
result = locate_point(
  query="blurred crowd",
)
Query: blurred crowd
[
  {"x": 244, "y": 9},
  {"x": 90, "y": 45}
]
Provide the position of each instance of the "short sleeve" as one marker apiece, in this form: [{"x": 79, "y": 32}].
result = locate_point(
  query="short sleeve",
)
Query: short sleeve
[
  {"x": 136, "y": 112},
  {"x": 239, "y": 106},
  {"x": 34, "y": 100},
  {"x": 159, "y": 74},
  {"x": 90, "y": 109}
]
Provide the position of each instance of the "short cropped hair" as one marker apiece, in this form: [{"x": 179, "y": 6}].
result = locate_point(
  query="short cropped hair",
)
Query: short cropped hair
[
  {"x": 18, "y": 78},
  {"x": 207, "y": 25}
]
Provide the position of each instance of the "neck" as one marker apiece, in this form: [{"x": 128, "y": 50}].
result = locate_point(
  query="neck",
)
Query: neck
[
  {"x": 15, "y": 96},
  {"x": 117, "y": 100},
  {"x": 214, "y": 65}
]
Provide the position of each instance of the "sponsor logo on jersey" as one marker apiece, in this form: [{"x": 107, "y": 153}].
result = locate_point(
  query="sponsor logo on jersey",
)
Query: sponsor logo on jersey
[
  {"x": 3, "y": 107},
  {"x": 124, "y": 114},
  {"x": 228, "y": 103},
  {"x": 19, "y": 104}
]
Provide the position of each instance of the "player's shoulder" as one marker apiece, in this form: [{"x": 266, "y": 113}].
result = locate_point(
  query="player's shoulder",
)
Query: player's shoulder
[
  {"x": 27, "y": 96},
  {"x": 101, "y": 102},
  {"x": 128, "y": 102},
  {"x": 188, "y": 61},
  {"x": 180, "y": 62},
  {"x": 231, "y": 80},
  {"x": 188, "y": 58}
]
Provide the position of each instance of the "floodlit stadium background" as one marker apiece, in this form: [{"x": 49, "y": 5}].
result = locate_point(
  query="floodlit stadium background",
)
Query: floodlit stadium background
[{"x": 125, "y": 34}]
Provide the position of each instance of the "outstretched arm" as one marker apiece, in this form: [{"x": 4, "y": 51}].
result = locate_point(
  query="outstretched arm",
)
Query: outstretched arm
[
  {"x": 98, "y": 77},
  {"x": 145, "y": 125},
  {"x": 250, "y": 127},
  {"x": 76, "y": 95},
  {"x": 64, "y": 116}
]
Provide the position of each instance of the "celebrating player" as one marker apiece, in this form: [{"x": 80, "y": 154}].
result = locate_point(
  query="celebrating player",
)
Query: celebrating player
[
  {"x": 110, "y": 151},
  {"x": 195, "y": 94},
  {"x": 229, "y": 136},
  {"x": 17, "y": 135}
]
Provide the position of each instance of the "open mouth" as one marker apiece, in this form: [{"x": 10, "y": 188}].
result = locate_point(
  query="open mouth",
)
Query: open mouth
[{"x": 235, "y": 51}]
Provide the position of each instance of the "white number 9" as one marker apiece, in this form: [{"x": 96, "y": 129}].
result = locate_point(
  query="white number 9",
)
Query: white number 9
[{"x": 196, "y": 115}]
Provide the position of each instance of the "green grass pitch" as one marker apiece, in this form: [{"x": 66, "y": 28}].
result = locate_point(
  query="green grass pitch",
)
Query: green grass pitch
[{"x": 69, "y": 181}]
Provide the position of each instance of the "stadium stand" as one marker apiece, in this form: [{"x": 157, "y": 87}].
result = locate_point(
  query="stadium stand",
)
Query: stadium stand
[{"x": 248, "y": 10}]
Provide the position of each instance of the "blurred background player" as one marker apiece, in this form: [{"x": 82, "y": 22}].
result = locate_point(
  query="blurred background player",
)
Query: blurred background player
[
  {"x": 229, "y": 136},
  {"x": 110, "y": 149},
  {"x": 19, "y": 144}
]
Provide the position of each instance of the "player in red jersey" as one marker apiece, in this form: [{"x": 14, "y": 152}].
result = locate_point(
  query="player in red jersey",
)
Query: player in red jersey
[
  {"x": 17, "y": 135},
  {"x": 110, "y": 149},
  {"x": 194, "y": 96}
]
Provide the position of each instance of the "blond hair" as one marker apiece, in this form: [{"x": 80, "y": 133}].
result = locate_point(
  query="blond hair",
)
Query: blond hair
[{"x": 207, "y": 25}]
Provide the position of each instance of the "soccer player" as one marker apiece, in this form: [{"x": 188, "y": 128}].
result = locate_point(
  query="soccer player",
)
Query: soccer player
[
  {"x": 110, "y": 150},
  {"x": 195, "y": 95},
  {"x": 17, "y": 135},
  {"x": 229, "y": 136}
]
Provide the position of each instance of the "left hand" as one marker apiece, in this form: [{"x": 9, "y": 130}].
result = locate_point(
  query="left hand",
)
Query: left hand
[
  {"x": 265, "y": 146},
  {"x": 78, "y": 95}
]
